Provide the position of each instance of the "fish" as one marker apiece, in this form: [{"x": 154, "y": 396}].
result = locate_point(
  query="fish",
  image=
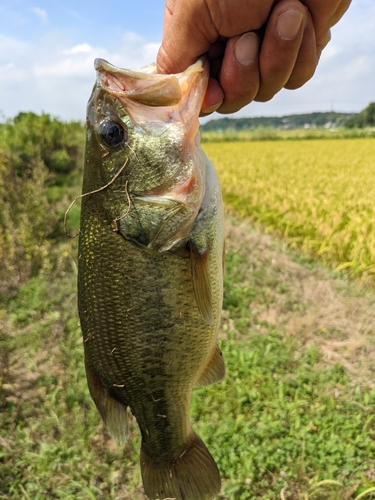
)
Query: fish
[{"x": 150, "y": 269}]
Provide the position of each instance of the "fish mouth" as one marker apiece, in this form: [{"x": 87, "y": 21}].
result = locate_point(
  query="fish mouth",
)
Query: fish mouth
[{"x": 151, "y": 97}]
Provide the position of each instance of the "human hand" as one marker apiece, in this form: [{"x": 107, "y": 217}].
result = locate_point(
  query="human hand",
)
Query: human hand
[{"x": 255, "y": 47}]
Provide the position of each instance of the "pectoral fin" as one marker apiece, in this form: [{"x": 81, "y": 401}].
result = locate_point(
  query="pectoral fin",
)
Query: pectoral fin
[
  {"x": 113, "y": 413},
  {"x": 200, "y": 270},
  {"x": 214, "y": 371}
]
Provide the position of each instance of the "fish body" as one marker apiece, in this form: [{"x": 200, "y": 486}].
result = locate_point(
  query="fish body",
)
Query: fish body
[{"x": 150, "y": 278}]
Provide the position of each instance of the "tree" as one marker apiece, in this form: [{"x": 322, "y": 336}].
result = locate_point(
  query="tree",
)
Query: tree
[{"x": 366, "y": 118}]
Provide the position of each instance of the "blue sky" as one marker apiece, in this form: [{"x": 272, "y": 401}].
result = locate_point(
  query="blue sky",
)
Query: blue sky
[{"x": 47, "y": 49}]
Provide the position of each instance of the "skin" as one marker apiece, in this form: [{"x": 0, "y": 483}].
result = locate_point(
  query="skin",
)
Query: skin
[{"x": 256, "y": 47}]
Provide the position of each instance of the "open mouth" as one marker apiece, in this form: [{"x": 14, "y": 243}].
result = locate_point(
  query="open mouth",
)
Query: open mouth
[{"x": 148, "y": 96}]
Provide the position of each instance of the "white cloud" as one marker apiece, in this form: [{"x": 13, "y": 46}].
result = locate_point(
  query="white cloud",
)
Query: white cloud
[
  {"x": 52, "y": 75},
  {"x": 68, "y": 67},
  {"x": 11, "y": 47},
  {"x": 150, "y": 51},
  {"x": 331, "y": 51},
  {"x": 79, "y": 49},
  {"x": 11, "y": 73},
  {"x": 41, "y": 13}
]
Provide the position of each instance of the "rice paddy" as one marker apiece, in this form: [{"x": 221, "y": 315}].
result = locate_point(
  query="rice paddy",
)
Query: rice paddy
[{"x": 317, "y": 194}]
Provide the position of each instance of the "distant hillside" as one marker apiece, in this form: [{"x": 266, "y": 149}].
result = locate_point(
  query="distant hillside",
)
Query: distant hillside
[{"x": 309, "y": 120}]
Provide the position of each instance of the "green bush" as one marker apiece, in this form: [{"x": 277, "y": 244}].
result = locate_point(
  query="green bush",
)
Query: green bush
[
  {"x": 29, "y": 136},
  {"x": 37, "y": 154}
]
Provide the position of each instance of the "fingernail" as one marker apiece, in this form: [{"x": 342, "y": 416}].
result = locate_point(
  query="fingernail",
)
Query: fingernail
[
  {"x": 212, "y": 108},
  {"x": 246, "y": 49},
  {"x": 288, "y": 24}
]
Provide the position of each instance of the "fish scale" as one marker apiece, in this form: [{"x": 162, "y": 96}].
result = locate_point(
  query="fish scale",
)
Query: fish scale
[{"x": 150, "y": 355}]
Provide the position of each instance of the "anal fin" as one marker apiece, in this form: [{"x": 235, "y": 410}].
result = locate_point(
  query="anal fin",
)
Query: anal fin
[
  {"x": 214, "y": 371},
  {"x": 113, "y": 413}
]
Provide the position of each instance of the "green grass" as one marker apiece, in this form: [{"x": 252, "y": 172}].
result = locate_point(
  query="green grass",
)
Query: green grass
[
  {"x": 53, "y": 445},
  {"x": 284, "y": 424},
  {"x": 283, "y": 421}
]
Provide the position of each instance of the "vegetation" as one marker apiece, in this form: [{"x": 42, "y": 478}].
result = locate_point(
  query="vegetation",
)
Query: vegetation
[
  {"x": 365, "y": 118},
  {"x": 315, "y": 194},
  {"x": 40, "y": 162},
  {"x": 294, "y": 417}
]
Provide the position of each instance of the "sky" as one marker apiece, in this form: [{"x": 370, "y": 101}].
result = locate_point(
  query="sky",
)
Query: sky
[{"x": 48, "y": 47}]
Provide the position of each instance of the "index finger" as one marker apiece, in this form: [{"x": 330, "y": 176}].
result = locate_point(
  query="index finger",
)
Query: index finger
[
  {"x": 168, "y": 13},
  {"x": 187, "y": 35}
]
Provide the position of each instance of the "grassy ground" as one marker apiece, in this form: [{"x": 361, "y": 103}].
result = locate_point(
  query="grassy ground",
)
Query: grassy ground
[{"x": 293, "y": 420}]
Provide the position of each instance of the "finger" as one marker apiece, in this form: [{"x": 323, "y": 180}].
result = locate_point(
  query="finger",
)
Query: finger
[
  {"x": 196, "y": 24},
  {"x": 189, "y": 34},
  {"x": 280, "y": 47},
  {"x": 214, "y": 94},
  {"x": 233, "y": 17},
  {"x": 307, "y": 59},
  {"x": 322, "y": 43},
  {"x": 340, "y": 10},
  {"x": 168, "y": 13},
  {"x": 213, "y": 98},
  {"x": 239, "y": 73}
]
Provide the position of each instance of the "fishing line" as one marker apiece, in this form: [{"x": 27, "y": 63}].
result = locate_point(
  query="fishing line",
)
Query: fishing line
[
  {"x": 92, "y": 192},
  {"x": 115, "y": 221}
]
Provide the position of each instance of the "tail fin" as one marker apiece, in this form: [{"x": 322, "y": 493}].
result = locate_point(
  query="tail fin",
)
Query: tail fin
[{"x": 191, "y": 476}]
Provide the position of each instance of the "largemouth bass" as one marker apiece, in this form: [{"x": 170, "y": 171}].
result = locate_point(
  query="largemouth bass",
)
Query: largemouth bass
[{"x": 151, "y": 269}]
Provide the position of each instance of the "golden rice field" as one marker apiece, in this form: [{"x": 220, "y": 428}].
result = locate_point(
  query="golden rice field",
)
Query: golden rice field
[{"x": 318, "y": 194}]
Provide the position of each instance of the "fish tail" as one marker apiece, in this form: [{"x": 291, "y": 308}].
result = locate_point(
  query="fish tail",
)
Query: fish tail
[{"x": 193, "y": 475}]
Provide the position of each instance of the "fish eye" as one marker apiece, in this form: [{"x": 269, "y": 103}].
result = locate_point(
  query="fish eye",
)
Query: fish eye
[{"x": 112, "y": 132}]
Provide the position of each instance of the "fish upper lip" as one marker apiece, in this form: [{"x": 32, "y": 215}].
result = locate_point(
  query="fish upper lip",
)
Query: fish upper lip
[
  {"x": 146, "y": 87},
  {"x": 148, "y": 72}
]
